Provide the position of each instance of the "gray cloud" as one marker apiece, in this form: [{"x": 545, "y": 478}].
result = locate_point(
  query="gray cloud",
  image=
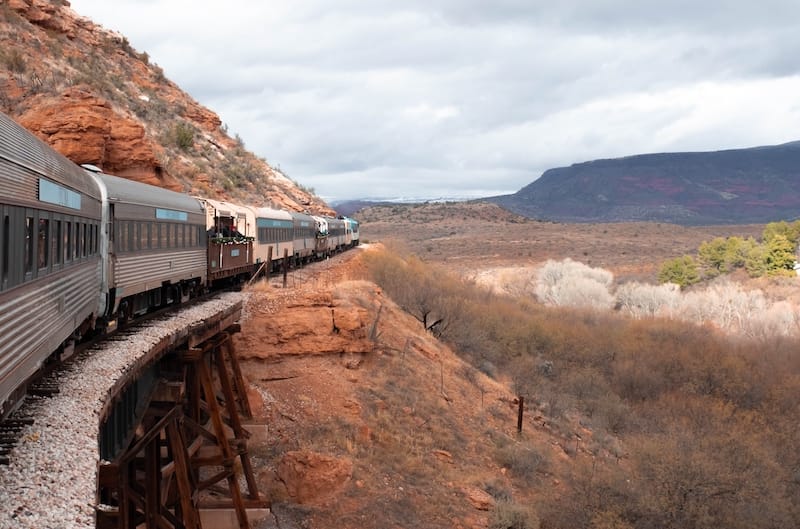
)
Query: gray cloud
[{"x": 466, "y": 97}]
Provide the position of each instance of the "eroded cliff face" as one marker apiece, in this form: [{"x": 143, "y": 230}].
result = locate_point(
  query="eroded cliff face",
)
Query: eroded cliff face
[
  {"x": 87, "y": 130},
  {"x": 86, "y": 92}
]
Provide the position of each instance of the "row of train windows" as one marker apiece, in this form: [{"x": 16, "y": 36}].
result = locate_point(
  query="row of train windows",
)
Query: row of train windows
[
  {"x": 270, "y": 235},
  {"x": 133, "y": 235},
  {"x": 305, "y": 232},
  {"x": 35, "y": 243}
]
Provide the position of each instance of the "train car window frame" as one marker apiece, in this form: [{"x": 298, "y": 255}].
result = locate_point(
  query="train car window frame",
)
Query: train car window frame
[
  {"x": 57, "y": 242},
  {"x": 135, "y": 236},
  {"x": 76, "y": 241},
  {"x": 42, "y": 242},
  {"x": 163, "y": 235},
  {"x": 27, "y": 267},
  {"x": 5, "y": 244},
  {"x": 68, "y": 241},
  {"x": 144, "y": 236}
]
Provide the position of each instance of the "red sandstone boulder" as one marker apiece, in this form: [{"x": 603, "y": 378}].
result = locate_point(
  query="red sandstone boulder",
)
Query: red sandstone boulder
[
  {"x": 313, "y": 478},
  {"x": 86, "y": 129}
]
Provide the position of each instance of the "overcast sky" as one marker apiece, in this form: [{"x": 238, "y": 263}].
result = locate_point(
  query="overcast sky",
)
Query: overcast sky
[{"x": 468, "y": 98}]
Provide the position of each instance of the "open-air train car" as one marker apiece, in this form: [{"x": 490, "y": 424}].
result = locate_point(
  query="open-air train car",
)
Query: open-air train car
[{"x": 230, "y": 232}]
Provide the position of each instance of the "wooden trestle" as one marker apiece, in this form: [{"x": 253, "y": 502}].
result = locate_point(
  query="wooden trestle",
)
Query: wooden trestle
[{"x": 189, "y": 449}]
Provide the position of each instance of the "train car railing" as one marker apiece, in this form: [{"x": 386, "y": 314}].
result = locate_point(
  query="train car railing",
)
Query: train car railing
[{"x": 229, "y": 257}]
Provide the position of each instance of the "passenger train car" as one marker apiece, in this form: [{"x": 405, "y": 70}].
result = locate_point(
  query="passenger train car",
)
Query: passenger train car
[
  {"x": 274, "y": 236},
  {"x": 156, "y": 252},
  {"x": 50, "y": 262},
  {"x": 82, "y": 251}
]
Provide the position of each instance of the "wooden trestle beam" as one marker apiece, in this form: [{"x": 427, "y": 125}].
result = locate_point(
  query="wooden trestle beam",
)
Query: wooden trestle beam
[{"x": 188, "y": 441}]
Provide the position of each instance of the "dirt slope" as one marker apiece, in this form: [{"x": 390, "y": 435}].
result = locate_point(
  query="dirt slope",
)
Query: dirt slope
[{"x": 374, "y": 424}]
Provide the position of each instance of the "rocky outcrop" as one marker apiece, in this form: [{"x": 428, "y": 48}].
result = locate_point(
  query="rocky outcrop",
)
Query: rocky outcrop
[
  {"x": 312, "y": 478},
  {"x": 87, "y": 130},
  {"x": 479, "y": 499},
  {"x": 44, "y": 14},
  {"x": 311, "y": 325}
]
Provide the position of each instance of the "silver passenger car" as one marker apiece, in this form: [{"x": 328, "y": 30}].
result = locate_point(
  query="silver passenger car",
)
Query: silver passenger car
[
  {"x": 50, "y": 265},
  {"x": 273, "y": 231},
  {"x": 156, "y": 246},
  {"x": 305, "y": 237}
]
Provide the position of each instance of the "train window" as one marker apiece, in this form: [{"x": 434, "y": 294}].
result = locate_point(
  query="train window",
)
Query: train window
[
  {"x": 130, "y": 243},
  {"x": 82, "y": 236},
  {"x": 119, "y": 242},
  {"x": 76, "y": 241},
  {"x": 6, "y": 248},
  {"x": 67, "y": 241},
  {"x": 43, "y": 243},
  {"x": 28, "y": 245},
  {"x": 57, "y": 251},
  {"x": 135, "y": 236},
  {"x": 176, "y": 243},
  {"x": 95, "y": 239},
  {"x": 162, "y": 235},
  {"x": 144, "y": 237}
]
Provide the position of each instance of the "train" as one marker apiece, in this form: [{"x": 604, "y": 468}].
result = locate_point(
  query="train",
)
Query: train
[{"x": 82, "y": 252}]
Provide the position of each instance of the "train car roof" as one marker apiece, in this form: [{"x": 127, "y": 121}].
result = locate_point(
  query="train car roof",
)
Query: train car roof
[
  {"x": 269, "y": 213},
  {"x": 22, "y": 148},
  {"x": 228, "y": 209},
  {"x": 132, "y": 192},
  {"x": 301, "y": 216}
]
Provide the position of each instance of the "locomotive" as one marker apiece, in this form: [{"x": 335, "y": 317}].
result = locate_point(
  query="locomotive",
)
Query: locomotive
[{"x": 82, "y": 251}]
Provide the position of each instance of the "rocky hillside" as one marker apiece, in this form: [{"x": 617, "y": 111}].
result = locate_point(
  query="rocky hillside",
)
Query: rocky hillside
[
  {"x": 742, "y": 186},
  {"x": 94, "y": 98}
]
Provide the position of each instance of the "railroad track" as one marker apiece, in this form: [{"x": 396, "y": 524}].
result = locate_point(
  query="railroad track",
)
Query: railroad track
[
  {"x": 68, "y": 470},
  {"x": 45, "y": 382}
]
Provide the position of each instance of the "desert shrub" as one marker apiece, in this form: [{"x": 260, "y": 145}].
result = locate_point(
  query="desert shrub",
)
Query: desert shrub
[
  {"x": 183, "y": 135},
  {"x": 569, "y": 283},
  {"x": 681, "y": 270},
  {"x": 712, "y": 257},
  {"x": 14, "y": 60},
  {"x": 725, "y": 304},
  {"x": 611, "y": 413},
  {"x": 497, "y": 490},
  {"x": 435, "y": 298},
  {"x": 642, "y": 300},
  {"x": 780, "y": 255},
  {"x": 789, "y": 230},
  {"x": 509, "y": 515},
  {"x": 523, "y": 461}
]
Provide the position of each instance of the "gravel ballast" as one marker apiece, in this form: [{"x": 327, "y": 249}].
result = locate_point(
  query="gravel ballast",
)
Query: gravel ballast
[{"x": 50, "y": 482}]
